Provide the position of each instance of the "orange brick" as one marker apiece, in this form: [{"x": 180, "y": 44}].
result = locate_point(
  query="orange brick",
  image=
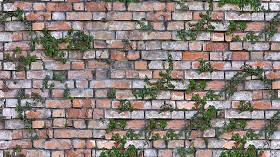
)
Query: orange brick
[
  {"x": 215, "y": 47},
  {"x": 195, "y": 55},
  {"x": 38, "y": 124},
  {"x": 140, "y": 65},
  {"x": 38, "y": 26}
]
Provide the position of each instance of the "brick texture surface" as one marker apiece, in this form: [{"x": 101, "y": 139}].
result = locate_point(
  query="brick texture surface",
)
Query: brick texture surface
[{"x": 72, "y": 120}]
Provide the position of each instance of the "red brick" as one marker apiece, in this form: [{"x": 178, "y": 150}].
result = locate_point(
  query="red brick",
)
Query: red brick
[
  {"x": 215, "y": 47},
  {"x": 59, "y": 6},
  {"x": 58, "y": 144},
  {"x": 195, "y": 55}
]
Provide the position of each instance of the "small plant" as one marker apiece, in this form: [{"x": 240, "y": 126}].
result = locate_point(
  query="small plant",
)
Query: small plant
[
  {"x": 254, "y": 4},
  {"x": 166, "y": 107},
  {"x": 111, "y": 93},
  {"x": 66, "y": 93},
  {"x": 245, "y": 106},
  {"x": 145, "y": 27},
  {"x": 118, "y": 150},
  {"x": 204, "y": 24},
  {"x": 201, "y": 119},
  {"x": 37, "y": 98},
  {"x": 60, "y": 76},
  {"x": 154, "y": 124},
  {"x": 125, "y": 106},
  {"x": 50, "y": 45},
  {"x": 239, "y": 150},
  {"x": 79, "y": 41},
  {"x": 153, "y": 88},
  {"x": 46, "y": 85},
  {"x": 16, "y": 150},
  {"x": 204, "y": 66},
  {"x": 171, "y": 135},
  {"x": 234, "y": 26},
  {"x": 183, "y": 152},
  {"x": 19, "y": 14},
  {"x": 66, "y": 125},
  {"x": 21, "y": 62},
  {"x": 199, "y": 84},
  {"x": 235, "y": 38},
  {"x": 155, "y": 136},
  {"x": 182, "y": 5},
  {"x": 271, "y": 126},
  {"x": 251, "y": 37},
  {"x": 114, "y": 124},
  {"x": 269, "y": 31},
  {"x": 232, "y": 125},
  {"x": 246, "y": 71},
  {"x": 130, "y": 134}
]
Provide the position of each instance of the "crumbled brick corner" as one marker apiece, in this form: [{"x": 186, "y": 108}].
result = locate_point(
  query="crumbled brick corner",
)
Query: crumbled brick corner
[{"x": 73, "y": 118}]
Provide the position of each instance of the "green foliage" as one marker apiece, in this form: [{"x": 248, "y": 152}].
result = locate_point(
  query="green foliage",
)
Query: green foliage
[
  {"x": 130, "y": 151},
  {"x": 254, "y": 4},
  {"x": 79, "y": 41},
  {"x": 50, "y": 45},
  {"x": 121, "y": 1},
  {"x": 196, "y": 84},
  {"x": 171, "y": 135},
  {"x": 119, "y": 150},
  {"x": 46, "y": 85},
  {"x": 154, "y": 124},
  {"x": 270, "y": 29},
  {"x": 204, "y": 66},
  {"x": 182, "y": 5},
  {"x": 151, "y": 89},
  {"x": 37, "y": 98},
  {"x": 20, "y": 109},
  {"x": 145, "y": 27},
  {"x": 166, "y": 107},
  {"x": 232, "y": 125},
  {"x": 245, "y": 106},
  {"x": 202, "y": 118},
  {"x": 271, "y": 125},
  {"x": 60, "y": 76},
  {"x": 250, "y": 134},
  {"x": 251, "y": 37},
  {"x": 246, "y": 71},
  {"x": 115, "y": 124},
  {"x": 155, "y": 136},
  {"x": 21, "y": 62},
  {"x": 125, "y": 106},
  {"x": 130, "y": 134},
  {"x": 19, "y": 14},
  {"x": 183, "y": 152},
  {"x": 67, "y": 94},
  {"x": 210, "y": 96},
  {"x": 234, "y": 26},
  {"x": 16, "y": 150},
  {"x": 236, "y": 38},
  {"x": 239, "y": 150},
  {"x": 111, "y": 93},
  {"x": 202, "y": 25}
]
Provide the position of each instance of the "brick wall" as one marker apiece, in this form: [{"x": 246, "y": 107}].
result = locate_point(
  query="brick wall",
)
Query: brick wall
[{"x": 74, "y": 102}]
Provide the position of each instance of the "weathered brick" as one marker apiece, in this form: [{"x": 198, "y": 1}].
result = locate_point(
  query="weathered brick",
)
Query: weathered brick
[
  {"x": 181, "y": 15},
  {"x": 58, "y": 144},
  {"x": 174, "y": 45},
  {"x": 215, "y": 47},
  {"x": 59, "y": 7}
]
